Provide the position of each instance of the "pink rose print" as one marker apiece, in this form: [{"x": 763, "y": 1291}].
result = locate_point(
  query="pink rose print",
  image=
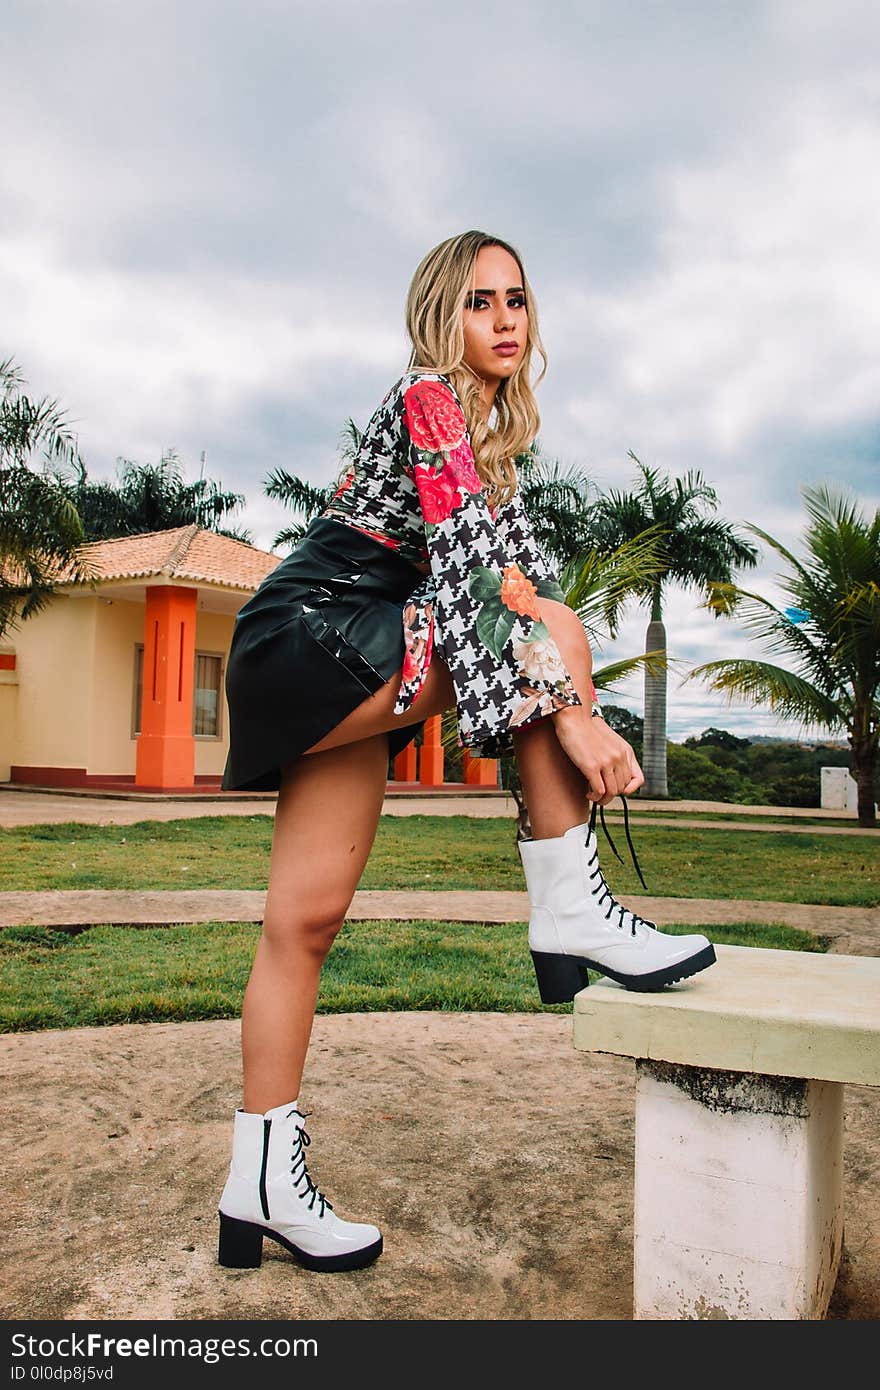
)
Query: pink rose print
[
  {"x": 433, "y": 416},
  {"x": 438, "y": 493},
  {"x": 460, "y": 462},
  {"x": 418, "y": 636},
  {"x": 410, "y": 666}
]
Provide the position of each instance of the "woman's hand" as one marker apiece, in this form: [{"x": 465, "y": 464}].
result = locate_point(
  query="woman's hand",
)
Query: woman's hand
[{"x": 606, "y": 760}]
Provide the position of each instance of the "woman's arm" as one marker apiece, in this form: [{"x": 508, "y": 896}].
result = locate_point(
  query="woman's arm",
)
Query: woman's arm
[
  {"x": 518, "y": 537},
  {"x": 606, "y": 761}
]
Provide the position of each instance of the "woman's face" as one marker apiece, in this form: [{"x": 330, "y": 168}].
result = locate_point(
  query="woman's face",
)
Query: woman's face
[{"x": 494, "y": 317}]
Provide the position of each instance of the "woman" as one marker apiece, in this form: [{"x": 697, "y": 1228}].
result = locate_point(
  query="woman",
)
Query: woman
[{"x": 420, "y": 588}]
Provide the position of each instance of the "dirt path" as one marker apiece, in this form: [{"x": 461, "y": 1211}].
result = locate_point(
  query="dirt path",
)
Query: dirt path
[{"x": 497, "y": 1161}]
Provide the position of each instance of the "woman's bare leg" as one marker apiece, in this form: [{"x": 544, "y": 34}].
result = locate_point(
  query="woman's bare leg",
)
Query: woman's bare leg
[
  {"x": 325, "y": 823},
  {"x": 555, "y": 790}
]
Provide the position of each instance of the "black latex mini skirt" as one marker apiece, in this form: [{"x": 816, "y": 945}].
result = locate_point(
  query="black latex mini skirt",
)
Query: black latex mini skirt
[{"x": 322, "y": 633}]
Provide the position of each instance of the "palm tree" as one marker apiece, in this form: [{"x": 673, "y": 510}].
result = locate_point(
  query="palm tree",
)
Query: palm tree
[
  {"x": 39, "y": 526},
  {"x": 831, "y": 633},
  {"x": 597, "y": 583},
  {"x": 698, "y": 551},
  {"x": 304, "y": 497},
  {"x": 153, "y": 497}
]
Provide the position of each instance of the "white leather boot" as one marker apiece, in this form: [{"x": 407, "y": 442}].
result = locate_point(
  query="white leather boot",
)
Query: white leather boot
[
  {"x": 576, "y": 922},
  {"x": 269, "y": 1193}
]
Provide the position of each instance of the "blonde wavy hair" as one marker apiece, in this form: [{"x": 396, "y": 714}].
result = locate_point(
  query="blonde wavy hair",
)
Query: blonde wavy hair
[{"x": 434, "y": 305}]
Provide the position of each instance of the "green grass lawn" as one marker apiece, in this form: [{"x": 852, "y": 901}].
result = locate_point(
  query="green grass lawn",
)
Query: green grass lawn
[
  {"x": 112, "y": 974},
  {"x": 443, "y": 852}
]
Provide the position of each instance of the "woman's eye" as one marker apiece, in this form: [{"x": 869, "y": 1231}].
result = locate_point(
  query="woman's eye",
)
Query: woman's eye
[{"x": 515, "y": 301}]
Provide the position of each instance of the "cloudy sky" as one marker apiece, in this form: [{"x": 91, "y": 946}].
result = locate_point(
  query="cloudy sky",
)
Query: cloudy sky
[{"x": 210, "y": 214}]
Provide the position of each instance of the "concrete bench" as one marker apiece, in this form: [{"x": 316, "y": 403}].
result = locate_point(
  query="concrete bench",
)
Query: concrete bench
[{"x": 739, "y": 1126}]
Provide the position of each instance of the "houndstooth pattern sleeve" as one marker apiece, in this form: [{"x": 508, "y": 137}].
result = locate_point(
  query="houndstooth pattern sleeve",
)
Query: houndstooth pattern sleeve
[
  {"x": 518, "y": 538},
  {"x": 505, "y": 666}
]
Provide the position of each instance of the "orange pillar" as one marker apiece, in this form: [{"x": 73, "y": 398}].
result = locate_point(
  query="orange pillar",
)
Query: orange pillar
[
  {"x": 166, "y": 749},
  {"x": 480, "y": 772},
  {"x": 406, "y": 763},
  {"x": 431, "y": 762}
]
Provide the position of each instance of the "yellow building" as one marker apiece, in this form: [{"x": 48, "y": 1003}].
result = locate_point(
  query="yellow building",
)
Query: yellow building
[{"x": 120, "y": 683}]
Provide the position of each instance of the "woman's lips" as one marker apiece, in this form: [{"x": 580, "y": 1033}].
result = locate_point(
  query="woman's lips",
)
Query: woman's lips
[{"x": 506, "y": 349}]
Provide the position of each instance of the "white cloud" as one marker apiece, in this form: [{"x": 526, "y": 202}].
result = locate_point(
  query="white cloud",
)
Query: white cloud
[
  {"x": 142, "y": 355},
  {"x": 211, "y": 216}
]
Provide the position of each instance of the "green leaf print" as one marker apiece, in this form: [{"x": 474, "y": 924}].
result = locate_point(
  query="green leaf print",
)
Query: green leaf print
[
  {"x": 431, "y": 459},
  {"x": 494, "y": 625},
  {"x": 549, "y": 588},
  {"x": 483, "y": 583}
]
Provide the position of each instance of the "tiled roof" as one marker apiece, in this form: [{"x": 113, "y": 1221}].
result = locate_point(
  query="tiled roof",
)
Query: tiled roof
[{"x": 187, "y": 552}]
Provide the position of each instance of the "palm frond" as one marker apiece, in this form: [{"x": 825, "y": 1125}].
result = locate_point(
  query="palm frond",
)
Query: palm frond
[
  {"x": 27, "y": 426},
  {"x": 655, "y": 663},
  {"x": 296, "y": 493},
  {"x": 830, "y": 507},
  {"x": 290, "y": 535},
  {"x": 761, "y": 682},
  {"x": 350, "y": 439},
  {"x": 778, "y": 547},
  {"x": 764, "y": 620},
  {"x": 40, "y": 539},
  {"x": 598, "y": 584},
  {"x": 11, "y": 378},
  {"x": 556, "y": 498}
]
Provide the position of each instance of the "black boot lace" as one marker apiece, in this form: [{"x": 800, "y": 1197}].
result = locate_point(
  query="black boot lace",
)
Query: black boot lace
[
  {"x": 600, "y": 890},
  {"x": 300, "y": 1143}
]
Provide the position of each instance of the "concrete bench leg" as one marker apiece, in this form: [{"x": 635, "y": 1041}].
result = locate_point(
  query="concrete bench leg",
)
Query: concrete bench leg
[{"x": 738, "y": 1193}]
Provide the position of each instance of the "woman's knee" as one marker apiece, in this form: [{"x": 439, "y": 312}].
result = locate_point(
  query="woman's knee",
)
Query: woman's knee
[
  {"x": 564, "y": 623},
  {"x": 313, "y": 929},
  {"x": 561, "y": 613}
]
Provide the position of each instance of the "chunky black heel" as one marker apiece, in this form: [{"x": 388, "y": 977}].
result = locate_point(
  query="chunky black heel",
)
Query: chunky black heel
[
  {"x": 241, "y": 1243},
  {"x": 559, "y": 977}
]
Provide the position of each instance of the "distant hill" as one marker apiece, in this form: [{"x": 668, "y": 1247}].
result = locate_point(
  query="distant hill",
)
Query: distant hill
[
  {"x": 799, "y": 742},
  {"x": 759, "y": 769}
]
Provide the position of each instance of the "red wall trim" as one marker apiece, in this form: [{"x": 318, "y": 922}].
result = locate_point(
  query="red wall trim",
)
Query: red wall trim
[
  {"x": 78, "y": 777},
  {"x": 49, "y": 776}
]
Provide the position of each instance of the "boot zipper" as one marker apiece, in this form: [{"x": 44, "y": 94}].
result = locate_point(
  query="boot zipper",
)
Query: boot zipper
[{"x": 264, "y": 1198}]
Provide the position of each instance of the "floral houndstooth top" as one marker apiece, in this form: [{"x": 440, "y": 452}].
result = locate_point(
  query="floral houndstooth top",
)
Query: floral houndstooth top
[{"x": 413, "y": 486}]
